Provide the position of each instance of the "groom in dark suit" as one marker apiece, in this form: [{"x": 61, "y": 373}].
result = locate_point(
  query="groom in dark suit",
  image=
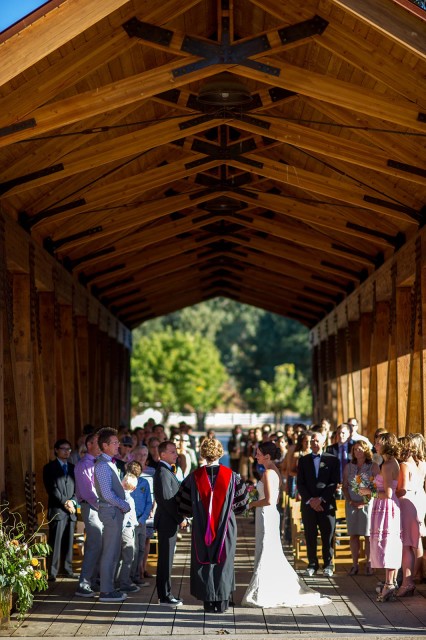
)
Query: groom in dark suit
[
  {"x": 318, "y": 474},
  {"x": 166, "y": 520}
]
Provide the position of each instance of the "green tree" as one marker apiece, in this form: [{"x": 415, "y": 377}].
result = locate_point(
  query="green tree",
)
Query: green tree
[
  {"x": 177, "y": 370},
  {"x": 287, "y": 392},
  {"x": 252, "y": 342}
]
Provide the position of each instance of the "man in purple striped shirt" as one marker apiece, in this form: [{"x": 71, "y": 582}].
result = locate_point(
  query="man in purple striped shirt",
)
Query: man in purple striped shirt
[{"x": 88, "y": 499}]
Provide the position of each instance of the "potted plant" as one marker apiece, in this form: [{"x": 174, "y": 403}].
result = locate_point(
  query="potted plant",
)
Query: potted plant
[{"x": 21, "y": 572}]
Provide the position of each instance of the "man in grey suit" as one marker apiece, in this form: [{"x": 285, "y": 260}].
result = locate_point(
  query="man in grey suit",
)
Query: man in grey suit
[
  {"x": 112, "y": 507},
  {"x": 166, "y": 520}
]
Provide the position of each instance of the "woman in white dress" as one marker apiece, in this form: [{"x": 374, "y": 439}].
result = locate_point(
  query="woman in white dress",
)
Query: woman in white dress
[{"x": 274, "y": 582}]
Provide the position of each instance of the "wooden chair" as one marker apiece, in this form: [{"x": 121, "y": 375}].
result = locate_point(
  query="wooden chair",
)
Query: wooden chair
[{"x": 153, "y": 546}]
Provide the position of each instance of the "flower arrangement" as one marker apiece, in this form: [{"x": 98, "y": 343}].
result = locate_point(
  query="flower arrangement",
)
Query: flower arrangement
[
  {"x": 363, "y": 481},
  {"x": 20, "y": 570},
  {"x": 252, "y": 496}
]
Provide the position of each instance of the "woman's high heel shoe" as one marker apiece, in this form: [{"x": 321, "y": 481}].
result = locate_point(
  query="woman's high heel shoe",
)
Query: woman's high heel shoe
[
  {"x": 368, "y": 570},
  {"x": 354, "y": 570},
  {"x": 387, "y": 593},
  {"x": 405, "y": 592}
]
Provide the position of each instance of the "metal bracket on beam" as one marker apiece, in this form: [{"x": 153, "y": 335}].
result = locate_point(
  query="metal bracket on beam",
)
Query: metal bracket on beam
[
  {"x": 225, "y": 53},
  {"x": 28, "y": 222},
  {"x": 393, "y": 206},
  {"x": 313, "y": 27},
  {"x": 409, "y": 168},
  {"x": 196, "y": 121},
  {"x": 149, "y": 32},
  {"x": 392, "y": 240},
  {"x": 244, "y": 117},
  {"x": 112, "y": 285},
  {"x": 52, "y": 245},
  {"x": 338, "y": 267},
  {"x": 277, "y": 94},
  {"x": 172, "y": 95},
  {"x": 71, "y": 264},
  {"x": 108, "y": 301},
  {"x": 353, "y": 252},
  {"x": 84, "y": 279},
  {"x": 18, "y": 126},
  {"x": 9, "y": 184}
]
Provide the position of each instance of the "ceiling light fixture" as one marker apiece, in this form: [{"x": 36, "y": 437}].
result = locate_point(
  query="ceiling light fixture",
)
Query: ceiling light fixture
[{"x": 225, "y": 89}]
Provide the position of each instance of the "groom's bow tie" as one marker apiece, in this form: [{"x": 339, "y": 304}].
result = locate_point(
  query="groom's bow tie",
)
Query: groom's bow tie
[{"x": 316, "y": 455}]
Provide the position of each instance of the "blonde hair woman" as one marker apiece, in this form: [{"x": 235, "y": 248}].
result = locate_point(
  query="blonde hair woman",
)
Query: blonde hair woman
[
  {"x": 212, "y": 494},
  {"x": 385, "y": 530}
]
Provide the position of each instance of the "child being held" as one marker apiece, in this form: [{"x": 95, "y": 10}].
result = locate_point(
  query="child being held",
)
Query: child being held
[
  {"x": 130, "y": 521},
  {"x": 143, "y": 504}
]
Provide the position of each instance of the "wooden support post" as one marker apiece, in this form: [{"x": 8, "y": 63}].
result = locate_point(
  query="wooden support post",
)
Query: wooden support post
[
  {"x": 365, "y": 333},
  {"x": 48, "y": 365},
  {"x": 67, "y": 372},
  {"x": 22, "y": 364},
  {"x": 82, "y": 416},
  {"x": 403, "y": 357}
]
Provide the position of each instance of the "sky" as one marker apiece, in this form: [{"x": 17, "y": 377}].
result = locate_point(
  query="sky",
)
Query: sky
[{"x": 13, "y": 10}]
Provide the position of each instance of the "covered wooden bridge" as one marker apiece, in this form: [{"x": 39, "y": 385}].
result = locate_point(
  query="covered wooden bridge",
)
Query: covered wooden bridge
[{"x": 157, "y": 154}]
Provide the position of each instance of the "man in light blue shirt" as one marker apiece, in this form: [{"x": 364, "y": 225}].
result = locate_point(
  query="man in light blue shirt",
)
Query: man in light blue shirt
[{"x": 112, "y": 507}]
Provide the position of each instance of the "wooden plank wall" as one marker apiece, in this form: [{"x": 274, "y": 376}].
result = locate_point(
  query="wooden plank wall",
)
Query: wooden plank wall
[
  {"x": 369, "y": 353},
  {"x": 64, "y": 361}
]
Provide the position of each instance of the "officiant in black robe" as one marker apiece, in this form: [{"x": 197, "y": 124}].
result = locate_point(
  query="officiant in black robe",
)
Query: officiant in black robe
[{"x": 212, "y": 495}]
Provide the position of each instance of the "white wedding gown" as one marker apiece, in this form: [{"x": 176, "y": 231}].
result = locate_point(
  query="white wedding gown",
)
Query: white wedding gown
[{"x": 274, "y": 582}]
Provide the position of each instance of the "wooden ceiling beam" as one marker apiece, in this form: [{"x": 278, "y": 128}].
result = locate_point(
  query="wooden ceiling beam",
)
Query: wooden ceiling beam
[
  {"x": 136, "y": 229},
  {"x": 370, "y": 59},
  {"x": 126, "y": 190},
  {"x": 306, "y": 237},
  {"x": 58, "y": 26},
  {"x": 135, "y": 318},
  {"x": 343, "y": 266},
  {"x": 305, "y": 275},
  {"x": 109, "y": 282},
  {"x": 342, "y": 191},
  {"x": 158, "y": 80},
  {"x": 393, "y": 21},
  {"x": 322, "y": 217},
  {"x": 126, "y": 91},
  {"x": 337, "y": 92},
  {"x": 331, "y": 146},
  {"x": 356, "y": 50},
  {"x": 125, "y": 248},
  {"x": 240, "y": 269},
  {"x": 117, "y": 148},
  {"x": 74, "y": 65},
  {"x": 373, "y": 132},
  {"x": 247, "y": 296}
]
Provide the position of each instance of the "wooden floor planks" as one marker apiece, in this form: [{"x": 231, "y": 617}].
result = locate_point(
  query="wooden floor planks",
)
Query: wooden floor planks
[{"x": 353, "y": 612}]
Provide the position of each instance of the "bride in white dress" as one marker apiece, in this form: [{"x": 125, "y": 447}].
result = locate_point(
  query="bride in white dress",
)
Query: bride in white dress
[{"x": 274, "y": 582}]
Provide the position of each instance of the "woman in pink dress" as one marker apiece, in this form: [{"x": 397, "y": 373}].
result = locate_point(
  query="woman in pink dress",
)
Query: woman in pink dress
[
  {"x": 408, "y": 486},
  {"x": 419, "y": 455},
  {"x": 385, "y": 529}
]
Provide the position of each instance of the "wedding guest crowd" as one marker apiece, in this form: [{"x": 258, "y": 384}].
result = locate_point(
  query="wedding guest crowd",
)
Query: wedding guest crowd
[{"x": 126, "y": 484}]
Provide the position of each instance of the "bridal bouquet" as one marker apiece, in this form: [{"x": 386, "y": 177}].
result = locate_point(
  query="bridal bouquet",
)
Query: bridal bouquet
[
  {"x": 252, "y": 496},
  {"x": 363, "y": 481}
]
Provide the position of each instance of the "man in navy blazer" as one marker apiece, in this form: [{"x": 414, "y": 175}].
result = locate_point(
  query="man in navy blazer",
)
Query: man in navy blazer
[
  {"x": 317, "y": 478},
  {"x": 58, "y": 478},
  {"x": 342, "y": 448}
]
